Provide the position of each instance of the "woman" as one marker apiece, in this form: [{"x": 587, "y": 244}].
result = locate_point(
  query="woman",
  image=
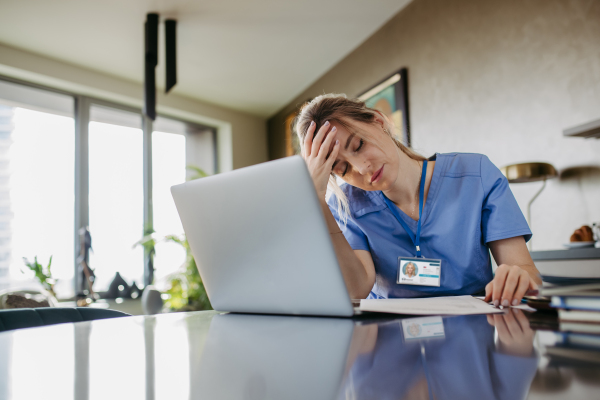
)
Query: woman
[
  {"x": 453, "y": 208},
  {"x": 410, "y": 270}
]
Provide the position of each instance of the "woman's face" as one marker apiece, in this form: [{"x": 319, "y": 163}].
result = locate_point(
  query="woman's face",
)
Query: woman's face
[
  {"x": 368, "y": 164},
  {"x": 410, "y": 269}
]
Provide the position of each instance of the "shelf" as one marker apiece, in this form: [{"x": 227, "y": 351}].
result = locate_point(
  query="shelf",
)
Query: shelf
[
  {"x": 586, "y": 253},
  {"x": 589, "y": 130}
]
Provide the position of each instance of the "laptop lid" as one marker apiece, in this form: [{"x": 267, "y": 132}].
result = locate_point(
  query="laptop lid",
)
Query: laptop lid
[{"x": 260, "y": 241}]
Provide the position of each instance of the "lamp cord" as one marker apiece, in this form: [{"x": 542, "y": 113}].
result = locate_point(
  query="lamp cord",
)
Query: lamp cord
[{"x": 529, "y": 245}]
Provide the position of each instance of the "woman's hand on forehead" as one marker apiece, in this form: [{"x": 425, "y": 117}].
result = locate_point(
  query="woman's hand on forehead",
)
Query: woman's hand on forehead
[
  {"x": 320, "y": 151},
  {"x": 332, "y": 146}
]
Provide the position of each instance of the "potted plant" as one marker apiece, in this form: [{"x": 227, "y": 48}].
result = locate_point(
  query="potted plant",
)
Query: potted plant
[{"x": 45, "y": 278}]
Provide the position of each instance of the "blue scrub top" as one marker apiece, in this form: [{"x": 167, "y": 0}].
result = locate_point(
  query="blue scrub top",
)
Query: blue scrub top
[{"x": 469, "y": 204}]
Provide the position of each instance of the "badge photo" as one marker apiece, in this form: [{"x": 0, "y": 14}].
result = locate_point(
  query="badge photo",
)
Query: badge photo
[{"x": 419, "y": 271}]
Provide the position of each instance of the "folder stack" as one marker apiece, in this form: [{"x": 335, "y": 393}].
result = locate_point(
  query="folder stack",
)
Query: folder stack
[{"x": 578, "y": 307}]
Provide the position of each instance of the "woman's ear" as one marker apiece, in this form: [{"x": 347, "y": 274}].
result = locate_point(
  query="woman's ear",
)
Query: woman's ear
[{"x": 381, "y": 118}]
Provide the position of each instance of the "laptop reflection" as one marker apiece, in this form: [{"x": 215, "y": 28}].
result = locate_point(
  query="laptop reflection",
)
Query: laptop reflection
[{"x": 274, "y": 357}]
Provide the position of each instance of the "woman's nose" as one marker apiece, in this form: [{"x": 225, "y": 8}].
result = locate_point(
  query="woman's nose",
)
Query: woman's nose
[{"x": 363, "y": 167}]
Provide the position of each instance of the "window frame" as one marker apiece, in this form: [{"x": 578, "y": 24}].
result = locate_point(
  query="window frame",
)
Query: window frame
[{"x": 81, "y": 116}]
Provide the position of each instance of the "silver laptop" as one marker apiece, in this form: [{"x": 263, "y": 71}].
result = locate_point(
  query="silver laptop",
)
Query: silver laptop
[{"x": 261, "y": 243}]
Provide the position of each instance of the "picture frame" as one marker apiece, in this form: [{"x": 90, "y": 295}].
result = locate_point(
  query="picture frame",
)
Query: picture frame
[
  {"x": 390, "y": 96},
  {"x": 292, "y": 144}
]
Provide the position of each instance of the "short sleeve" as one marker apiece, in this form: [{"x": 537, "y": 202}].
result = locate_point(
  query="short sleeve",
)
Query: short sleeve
[
  {"x": 501, "y": 217},
  {"x": 353, "y": 234}
]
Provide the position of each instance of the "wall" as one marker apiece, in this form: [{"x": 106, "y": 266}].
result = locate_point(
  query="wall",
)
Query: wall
[
  {"x": 242, "y": 139},
  {"x": 503, "y": 78}
]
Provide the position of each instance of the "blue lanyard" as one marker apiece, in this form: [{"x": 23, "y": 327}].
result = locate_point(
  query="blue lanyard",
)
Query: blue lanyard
[{"x": 394, "y": 209}]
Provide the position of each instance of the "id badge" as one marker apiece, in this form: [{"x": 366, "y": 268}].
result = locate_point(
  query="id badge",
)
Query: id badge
[{"x": 419, "y": 271}]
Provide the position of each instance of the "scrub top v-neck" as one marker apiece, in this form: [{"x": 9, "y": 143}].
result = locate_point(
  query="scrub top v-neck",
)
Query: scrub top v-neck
[{"x": 469, "y": 204}]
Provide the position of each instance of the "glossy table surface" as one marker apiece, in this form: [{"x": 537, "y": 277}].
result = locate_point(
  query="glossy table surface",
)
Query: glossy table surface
[{"x": 206, "y": 355}]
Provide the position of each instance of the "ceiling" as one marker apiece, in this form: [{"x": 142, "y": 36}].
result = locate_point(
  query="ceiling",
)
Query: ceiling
[{"x": 249, "y": 55}]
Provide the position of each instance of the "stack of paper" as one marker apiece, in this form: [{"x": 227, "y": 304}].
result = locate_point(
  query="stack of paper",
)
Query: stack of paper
[{"x": 450, "y": 305}]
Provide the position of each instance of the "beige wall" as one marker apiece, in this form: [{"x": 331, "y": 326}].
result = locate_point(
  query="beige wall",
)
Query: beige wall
[
  {"x": 242, "y": 138},
  {"x": 503, "y": 78}
]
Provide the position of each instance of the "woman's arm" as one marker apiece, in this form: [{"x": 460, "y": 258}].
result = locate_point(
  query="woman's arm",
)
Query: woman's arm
[
  {"x": 516, "y": 272},
  {"x": 357, "y": 267}
]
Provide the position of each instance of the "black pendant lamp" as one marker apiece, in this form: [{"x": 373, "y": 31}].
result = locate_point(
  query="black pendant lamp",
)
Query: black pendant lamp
[{"x": 151, "y": 60}]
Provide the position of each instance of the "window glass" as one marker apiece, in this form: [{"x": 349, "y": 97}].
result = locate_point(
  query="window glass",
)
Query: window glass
[
  {"x": 37, "y": 151},
  {"x": 115, "y": 196},
  {"x": 168, "y": 169}
]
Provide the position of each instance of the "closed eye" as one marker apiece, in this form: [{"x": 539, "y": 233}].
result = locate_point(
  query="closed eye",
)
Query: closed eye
[
  {"x": 345, "y": 170},
  {"x": 360, "y": 145}
]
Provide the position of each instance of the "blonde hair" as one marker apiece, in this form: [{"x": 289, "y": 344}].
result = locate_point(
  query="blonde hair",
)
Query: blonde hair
[{"x": 341, "y": 110}]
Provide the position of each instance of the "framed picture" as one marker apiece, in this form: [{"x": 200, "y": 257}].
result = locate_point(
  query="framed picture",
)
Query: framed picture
[
  {"x": 390, "y": 96},
  {"x": 292, "y": 145}
]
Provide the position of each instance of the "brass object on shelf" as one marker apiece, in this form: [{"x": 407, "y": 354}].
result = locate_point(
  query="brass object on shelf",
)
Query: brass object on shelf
[{"x": 529, "y": 172}]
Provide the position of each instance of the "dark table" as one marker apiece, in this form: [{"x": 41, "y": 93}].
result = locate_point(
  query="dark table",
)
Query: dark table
[{"x": 207, "y": 355}]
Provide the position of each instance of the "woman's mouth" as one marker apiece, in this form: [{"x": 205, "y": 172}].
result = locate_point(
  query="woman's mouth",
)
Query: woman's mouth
[{"x": 377, "y": 175}]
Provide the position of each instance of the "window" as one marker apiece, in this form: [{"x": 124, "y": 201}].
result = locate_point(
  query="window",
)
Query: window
[
  {"x": 55, "y": 178},
  {"x": 37, "y": 146},
  {"x": 116, "y": 218}
]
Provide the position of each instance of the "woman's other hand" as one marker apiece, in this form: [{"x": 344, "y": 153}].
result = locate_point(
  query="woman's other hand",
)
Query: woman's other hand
[
  {"x": 317, "y": 156},
  {"x": 515, "y": 336},
  {"x": 509, "y": 286}
]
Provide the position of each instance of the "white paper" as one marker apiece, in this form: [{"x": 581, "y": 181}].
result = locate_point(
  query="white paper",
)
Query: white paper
[
  {"x": 522, "y": 306},
  {"x": 449, "y": 305}
]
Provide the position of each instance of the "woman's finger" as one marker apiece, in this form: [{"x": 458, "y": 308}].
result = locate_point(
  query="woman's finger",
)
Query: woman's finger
[
  {"x": 308, "y": 139},
  {"x": 532, "y": 284},
  {"x": 318, "y": 139},
  {"x": 498, "y": 284},
  {"x": 524, "y": 283},
  {"x": 331, "y": 159},
  {"x": 326, "y": 146},
  {"x": 488, "y": 292},
  {"x": 510, "y": 284}
]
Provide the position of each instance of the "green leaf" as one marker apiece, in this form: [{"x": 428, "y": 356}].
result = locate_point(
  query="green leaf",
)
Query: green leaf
[
  {"x": 199, "y": 172},
  {"x": 48, "y": 268},
  {"x": 45, "y": 278}
]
